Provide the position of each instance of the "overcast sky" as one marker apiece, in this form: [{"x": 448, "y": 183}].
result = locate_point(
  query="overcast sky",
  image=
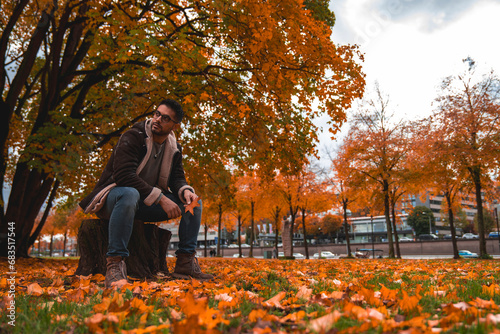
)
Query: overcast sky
[{"x": 411, "y": 45}]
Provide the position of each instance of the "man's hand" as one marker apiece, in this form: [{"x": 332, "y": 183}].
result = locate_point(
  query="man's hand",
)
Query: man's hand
[
  {"x": 171, "y": 209},
  {"x": 190, "y": 197}
]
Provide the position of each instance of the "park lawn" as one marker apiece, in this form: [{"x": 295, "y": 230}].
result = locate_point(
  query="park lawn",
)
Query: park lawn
[{"x": 261, "y": 296}]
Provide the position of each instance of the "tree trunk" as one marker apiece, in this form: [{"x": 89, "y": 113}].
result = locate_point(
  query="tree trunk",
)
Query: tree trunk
[
  {"x": 148, "y": 247},
  {"x": 346, "y": 228},
  {"x": 64, "y": 243},
  {"x": 276, "y": 225},
  {"x": 239, "y": 236},
  {"x": 388, "y": 219},
  {"x": 252, "y": 222},
  {"x": 452, "y": 226},
  {"x": 286, "y": 239},
  {"x": 305, "y": 237},
  {"x": 30, "y": 189},
  {"x": 206, "y": 237},
  {"x": 48, "y": 207},
  {"x": 396, "y": 239},
  {"x": 476, "y": 177},
  {"x": 51, "y": 249},
  {"x": 219, "y": 230},
  {"x": 293, "y": 215}
]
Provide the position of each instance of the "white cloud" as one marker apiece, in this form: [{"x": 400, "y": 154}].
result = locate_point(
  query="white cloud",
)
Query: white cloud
[{"x": 410, "y": 46}]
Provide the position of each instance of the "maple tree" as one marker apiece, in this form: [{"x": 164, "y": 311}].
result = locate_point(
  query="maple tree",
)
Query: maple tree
[
  {"x": 291, "y": 189},
  {"x": 208, "y": 221},
  {"x": 489, "y": 221},
  {"x": 377, "y": 146},
  {"x": 76, "y": 74},
  {"x": 65, "y": 221},
  {"x": 330, "y": 224},
  {"x": 345, "y": 192},
  {"x": 250, "y": 197},
  {"x": 314, "y": 200},
  {"x": 440, "y": 170},
  {"x": 468, "y": 115},
  {"x": 273, "y": 205},
  {"x": 219, "y": 191}
]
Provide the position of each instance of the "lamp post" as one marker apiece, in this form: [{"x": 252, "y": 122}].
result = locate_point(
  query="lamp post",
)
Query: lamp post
[{"x": 430, "y": 224}]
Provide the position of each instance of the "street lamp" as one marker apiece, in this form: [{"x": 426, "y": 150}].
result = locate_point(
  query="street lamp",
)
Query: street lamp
[{"x": 430, "y": 225}]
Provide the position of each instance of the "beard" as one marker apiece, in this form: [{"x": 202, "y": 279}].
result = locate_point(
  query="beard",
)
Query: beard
[{"x": 157, "y": 129}]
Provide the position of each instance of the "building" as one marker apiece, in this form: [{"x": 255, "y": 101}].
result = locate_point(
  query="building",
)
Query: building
[
  {"x": 437, "y": 204},
  {"x": 174, "y": 241},
  {"x": 364, "y": 229}
]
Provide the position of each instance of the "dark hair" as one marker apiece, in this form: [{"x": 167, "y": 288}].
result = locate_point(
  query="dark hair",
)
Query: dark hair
[{"x": 175, "y": 106}]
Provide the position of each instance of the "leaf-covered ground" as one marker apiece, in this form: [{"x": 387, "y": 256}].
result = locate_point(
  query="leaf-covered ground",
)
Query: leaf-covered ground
[{"x": 261, "y": 296}]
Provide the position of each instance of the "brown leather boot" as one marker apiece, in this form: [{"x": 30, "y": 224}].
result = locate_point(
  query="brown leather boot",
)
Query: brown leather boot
[
  {"x": 116, "y": 272},
  {"x": 187, "y": 267}
]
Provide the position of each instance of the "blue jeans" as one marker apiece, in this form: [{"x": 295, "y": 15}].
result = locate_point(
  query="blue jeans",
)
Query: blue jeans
[{"x": 123, "y": 205}]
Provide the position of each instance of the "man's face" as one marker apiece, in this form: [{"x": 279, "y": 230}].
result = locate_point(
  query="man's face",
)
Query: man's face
[{"x": 163, "y": 121}]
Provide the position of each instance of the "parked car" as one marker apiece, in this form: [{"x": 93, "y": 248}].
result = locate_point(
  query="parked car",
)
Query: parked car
[
  {"x": 325, "y": 255},
  {"x": 447, "y": 236},
  {"x": 428, "y": 237},
  {"x": 232, "y": 246},
  {"x": 365, "y": 253},
  {"x": 467, "y": 254},
  {"x": 299, "y": 256},
  {"x": 245, "y": 245},
  {"x": 470, "y": 236},
  {"x": 493, "y": 235},
  {"x": 405, "y": 239}
]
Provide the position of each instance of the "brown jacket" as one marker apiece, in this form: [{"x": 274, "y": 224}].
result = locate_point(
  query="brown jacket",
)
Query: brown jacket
[{"x": 129, "y": 157}]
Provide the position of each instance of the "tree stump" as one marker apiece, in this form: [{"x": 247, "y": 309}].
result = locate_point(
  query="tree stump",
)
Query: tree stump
[{"x": 148, "y": 247}]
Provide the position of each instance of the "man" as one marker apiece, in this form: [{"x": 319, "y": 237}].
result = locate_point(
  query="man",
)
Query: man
[{"x": 144, "y": 179}]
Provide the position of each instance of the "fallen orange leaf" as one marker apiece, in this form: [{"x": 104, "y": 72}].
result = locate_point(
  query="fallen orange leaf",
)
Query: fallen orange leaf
[
  {"x": 275, "y": 301},
  {"x": 192, "y": 205},
  {"x": 35, "y": 289},
  {"x": 325, "y": 322}
]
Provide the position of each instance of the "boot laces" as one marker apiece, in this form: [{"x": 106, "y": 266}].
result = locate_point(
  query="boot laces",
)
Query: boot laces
[
  {"x": 117, "y": 271},
  {"x": 196, "y": 266}
]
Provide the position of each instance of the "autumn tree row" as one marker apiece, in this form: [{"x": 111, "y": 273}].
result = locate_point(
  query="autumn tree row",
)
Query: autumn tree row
[
  {"x": 454, "y": 153},
  {"x": 283, "y": 199}
]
